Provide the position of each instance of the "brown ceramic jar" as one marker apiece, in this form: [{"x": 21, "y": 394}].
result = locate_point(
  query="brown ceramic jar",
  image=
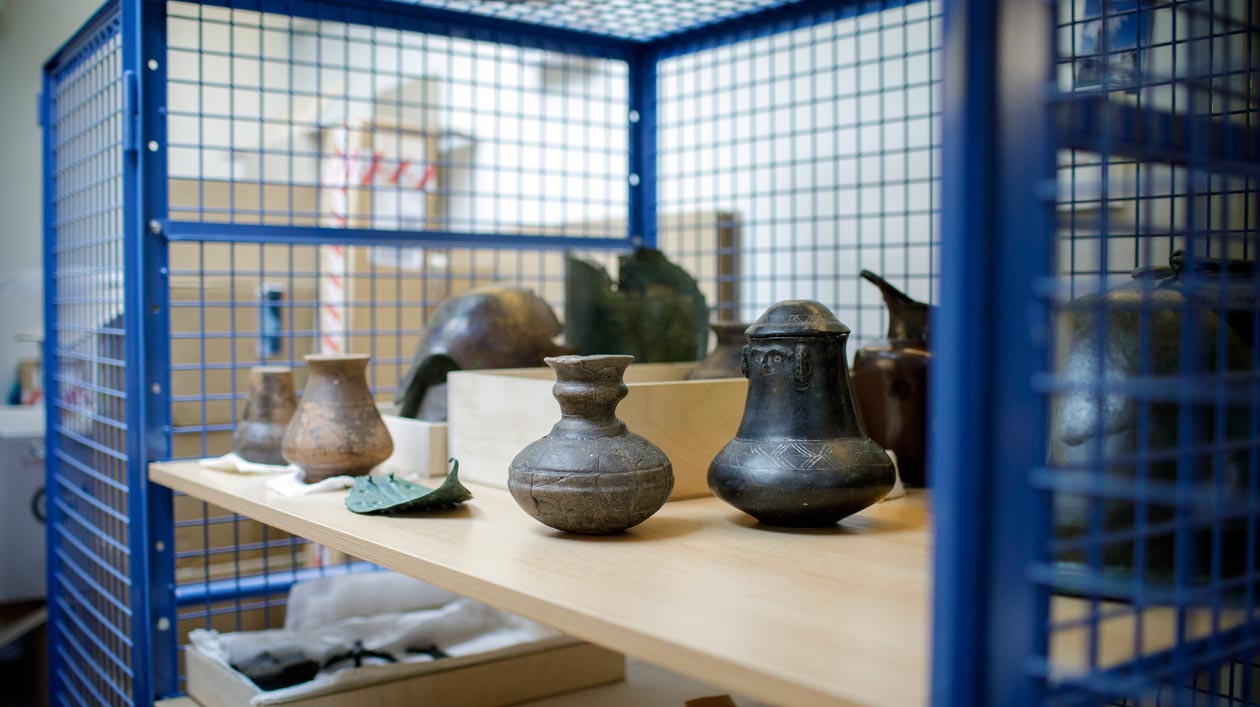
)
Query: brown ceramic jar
[
  {"x": 890, "y": 380},
  {"x": 265, "y": 417},
  {"x": 337, "y": 429},
  {"x": 724, "y": 360}
]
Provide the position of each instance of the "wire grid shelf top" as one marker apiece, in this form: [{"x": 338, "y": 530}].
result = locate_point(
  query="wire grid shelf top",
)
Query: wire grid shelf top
[{"x": 641, "y": 20}]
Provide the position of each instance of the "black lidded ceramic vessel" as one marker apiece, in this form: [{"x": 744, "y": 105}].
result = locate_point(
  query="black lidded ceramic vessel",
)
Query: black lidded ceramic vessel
[
  {"x": 800, "y": 457},
  {"x": 591, "y": 475}
]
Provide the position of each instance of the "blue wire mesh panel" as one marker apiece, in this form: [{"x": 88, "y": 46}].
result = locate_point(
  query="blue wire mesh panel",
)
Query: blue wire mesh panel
[
  {"x": 238, "y": 305},
  {"x": 1153, "y": 393},
  {"x": 286, "y": 121},
  {"x": 90, "y": 515},
  {"x": 285, "y": 131},
  {"x": 626, "y": 19},
  {"x": 822, "y": 143}
]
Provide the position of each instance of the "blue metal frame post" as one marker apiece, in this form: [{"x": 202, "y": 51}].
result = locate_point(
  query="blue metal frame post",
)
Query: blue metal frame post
[
  {"x": 988, "y": 425},
  {"x": 51, "y": 394},
  {"x": 144, "y": 257},
  {"x": 152, "y": 83},
  {"x": 642, "y": 159}
]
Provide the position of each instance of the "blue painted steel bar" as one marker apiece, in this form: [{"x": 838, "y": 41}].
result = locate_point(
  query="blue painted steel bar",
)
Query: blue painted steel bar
[
  {"x": 958, "y": 376},
  {"x": 144, "y": 263},
  {"x": 260, "y": 585},
  {"x": 159, "y": 545},
  {"x": 1081, "y": 122},
  {"x": 253, "y": 233},
  {"x": 73, "y": 47},
  {"x": 988, "y": 429},
  {"x": 52, "y": 412},
  {"x": 435, "y": 20},
  {"x": 783, "y": 18},
  {"x": 642, "y": 207}
]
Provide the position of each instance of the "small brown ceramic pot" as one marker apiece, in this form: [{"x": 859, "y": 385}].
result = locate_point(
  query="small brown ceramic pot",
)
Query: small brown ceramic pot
[
  {"x": 591, "y": 475},
  {"x": 337, "y": 430},
  {"x": 724, "y": 360},
  {"x": 260, "y": 431}
]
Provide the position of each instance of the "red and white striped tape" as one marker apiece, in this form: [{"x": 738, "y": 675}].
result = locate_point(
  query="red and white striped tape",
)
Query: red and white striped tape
[{"x": 361, "y": 169}]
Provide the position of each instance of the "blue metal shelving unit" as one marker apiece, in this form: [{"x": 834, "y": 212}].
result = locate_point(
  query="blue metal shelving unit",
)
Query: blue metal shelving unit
[{"x": 1003, "y": 159}]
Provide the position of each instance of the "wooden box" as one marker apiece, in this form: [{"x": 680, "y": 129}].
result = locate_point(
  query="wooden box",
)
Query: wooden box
[
  {"x": 419, "y": 446},
  {"x": 492, "y": 679},
  {"x": 494, "y": 414}
]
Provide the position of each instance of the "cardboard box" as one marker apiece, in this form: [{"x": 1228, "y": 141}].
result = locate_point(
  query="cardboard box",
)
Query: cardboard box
[
  {"x": 495, "y": 414},
  {"x": 497, "y": 678}
]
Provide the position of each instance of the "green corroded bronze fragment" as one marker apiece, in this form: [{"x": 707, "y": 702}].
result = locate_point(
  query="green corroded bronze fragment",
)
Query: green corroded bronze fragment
[{"x": 390, "y": 494}]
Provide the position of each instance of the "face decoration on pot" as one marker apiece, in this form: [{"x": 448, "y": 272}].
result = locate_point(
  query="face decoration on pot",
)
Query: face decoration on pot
[{"x": 800, "y": 457}]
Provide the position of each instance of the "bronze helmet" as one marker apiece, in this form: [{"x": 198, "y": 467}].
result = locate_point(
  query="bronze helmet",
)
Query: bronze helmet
[{"x": 491, "y": 327}]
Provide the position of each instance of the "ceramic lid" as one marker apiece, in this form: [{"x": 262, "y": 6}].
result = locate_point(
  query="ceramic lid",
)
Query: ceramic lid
[{"x": 797, "y": 317}]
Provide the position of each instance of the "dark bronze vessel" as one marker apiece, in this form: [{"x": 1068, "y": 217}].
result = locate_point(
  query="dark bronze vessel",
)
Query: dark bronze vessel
[
  {"x": 337, "y": 429},
  {"x": 724, "y": 360},
  {"x": 591, "y": 475},
  {"x": 890, "y": 380},
  {"x": 800, "y": 457},
  {"x": 265, "y": 415},
  {"x": 1139, "y": 408},
  {"x": 492, "y": 327}
]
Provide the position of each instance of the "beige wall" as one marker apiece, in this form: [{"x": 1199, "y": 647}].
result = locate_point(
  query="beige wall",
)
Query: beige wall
[{"x": 30, "y": 31}]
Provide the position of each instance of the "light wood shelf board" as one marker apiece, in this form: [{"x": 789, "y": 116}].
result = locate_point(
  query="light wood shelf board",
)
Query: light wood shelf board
[{"x": 835, "y": 617}]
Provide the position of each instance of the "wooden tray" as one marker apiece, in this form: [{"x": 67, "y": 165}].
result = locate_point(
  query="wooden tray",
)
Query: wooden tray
[{"x": 501, "y": 678}]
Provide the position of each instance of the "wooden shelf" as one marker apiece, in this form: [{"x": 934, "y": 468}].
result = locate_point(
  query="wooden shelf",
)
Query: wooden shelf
[{"x": 830, "y": 617}]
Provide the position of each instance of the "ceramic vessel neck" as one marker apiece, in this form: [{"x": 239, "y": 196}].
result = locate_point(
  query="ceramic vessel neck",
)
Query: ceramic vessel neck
[
  {"x": 729, "y": 333},
  {"x": 588, "y": 389},
  {"x": 907, "y": 318},
  {"x": 338, "y": 366}
]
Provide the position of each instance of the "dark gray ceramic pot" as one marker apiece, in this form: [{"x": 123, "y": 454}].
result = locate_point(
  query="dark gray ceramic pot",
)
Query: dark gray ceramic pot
[
  {"x": 800, "y": 457},
  {"x": 591, "y": 475}
]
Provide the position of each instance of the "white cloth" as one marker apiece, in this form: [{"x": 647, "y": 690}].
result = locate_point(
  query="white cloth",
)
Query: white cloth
[
  {"x": 326, "y": 600},
  {"x": 234, "y": 462},
  {"x": 464, "y": 629},
  {"x": 291, "y": 484},
  {"x": 898, "y": 489}
]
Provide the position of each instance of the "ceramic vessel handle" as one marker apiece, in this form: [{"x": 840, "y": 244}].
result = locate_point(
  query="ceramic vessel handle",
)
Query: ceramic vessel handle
[{"x": 803, "y": 372}]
